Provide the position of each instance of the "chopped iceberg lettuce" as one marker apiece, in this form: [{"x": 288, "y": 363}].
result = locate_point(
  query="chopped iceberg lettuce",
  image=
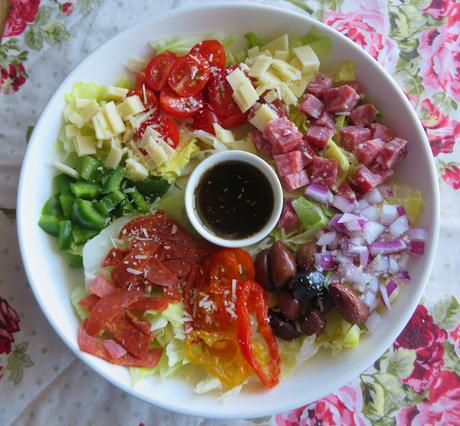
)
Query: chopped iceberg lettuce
[
  {"x": 179, "y": 161},
  {"x": 312, "y": 215},
  {"x": 411, "y": 201},
  {"x": 86, "y": 90},
  {"x": 295, "y": 352},
  {"x": 78, "y": 294},
  {"x": 346, "y": 72}
]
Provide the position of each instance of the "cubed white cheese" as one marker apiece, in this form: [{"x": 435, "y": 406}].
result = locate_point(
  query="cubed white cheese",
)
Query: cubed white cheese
[
  {"x": 286, "y": 71},
  {"x": 167, "y": 149},
  {"x": 76, "y": 119},
  {"x": 69, "y": 109},
  {"x": 116, "y": 93},
  {"x": 298, "y": 87},
  {"x": 113, "y": 158},
  {"x": 158, "y": 151},
  {"x": 71, "y": 131},
  {"x": 260, "y": 65},
  {"x": 224, "y": 135},
  {"x": 262, "y": 116},
  {"x": 286, "y": 95},
  {"x": 86, "y": 109},
  {"x": 270, "y": 79},
  {"x": 280, "y": 43},
  {"x": 113, "y": 118},
  {"x": 282, "y": 55},
  {"x": 245, "y": 96},
  {"x": 272, "y": 96},
  {"x": 130, "y": 106},
  {"x": 85, "y": 145},
  {"x": 236, "y": 78},
  {"x": 135, "y": 170},
  {"x": 296, "y": 63},
  {"x": 127, "y": 135},
  {"x": 253, "y": 51},
  {"x": 101, "y": 126},
  {"x": 244, "y": 145},
  {"x": 307, "y": 57}
]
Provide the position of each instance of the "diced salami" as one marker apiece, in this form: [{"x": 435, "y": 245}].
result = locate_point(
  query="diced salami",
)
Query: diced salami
[
  {"x": 100, "y": 286},
  {"x": 308, "y": 152},
  {"x": 114, "y": 349},
  {"x": 359, "y": 89},
  {"x": 89, "y": 302},
  {"x": 363, "y": 115},
  {"x": 346, "y": 191},
  {"x": 288, "y": 218},
  {"x": 323, "y": 171},
  {"x": 283, "y": 135},
  {"x": 381, "y": 132},
  {"x": 319, "y": 84},
  {"x": 158, "y": 274},
  {"x": 364, "y": 180},
  {"x": 351, "y": 136},
  {"x": 114, "y": 257},
  {"x": 261, "y": 143},
  {"x": 311, "y": 106},
  {"x": 109, "y": 307},
  {"x": 367, "y": 151},
  {"x": 288, "y": 163},
  {"x": 280, "y": 108},
  {"x": 340, "y": 99},
  {"x": 155, "y": 303},
  {"x": 383, "y": 174},
  {"x": 319, "y": 136},
  {"x": 325, "y": 120},
  {"x": 391, "y": 153},
  {"x": 295, "y": 180}
]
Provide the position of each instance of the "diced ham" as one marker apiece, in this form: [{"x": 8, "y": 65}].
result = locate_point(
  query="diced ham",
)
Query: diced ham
[
  {"x": 308, "y": 152},
  {"x": 319, "y": 84},
  {"x": 295, "y": 180},
  {"x": 346, "y": 191},
  {"x": 318, "y": 136},
  {"x": 364, "y": 180},
  {"x": 367, "y": 151},
  {"x": 391, "y": 153},
  {"x": 288, "y": 218},
  {"x": 363, "y": 115},
  {"x": 260, "y": 142},
  {"x": 340, "y": 99},
  {"x": 382, "y": 132},
  {"x": 323, "y": 171},
  {"x": 311, "y": 106},
  {"x": 100, "y": 286},
  {"x": 351, "y": 136},
  {"x": 325, "y": 120},
  {"x": 288, "y": 163},
  {"x": 283, "y": 135}
]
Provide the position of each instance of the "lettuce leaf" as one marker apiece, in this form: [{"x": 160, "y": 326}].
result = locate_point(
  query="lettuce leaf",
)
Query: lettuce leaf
[
  {"x": 311, "y": 214},
  {"x": 411, "y": 201},
  {"x": 175, "y": 166},
  {"x": 318, "y": 42},
  {"x": 298, "y": 118},
  {"x": 86, "y": 90},
  {"x": 179, "y": 45},
  {"x": 254, "y": 40},
  {"x": 338, "y": 333},
  {"x": 295, "y": 352},
  {"x": 346, "y": 72},
  {"x": 125, "y": 83},
  {"x": 78, "y": 294},
  {"x": 173, "y": 204},
  {"x": 333, "y": 151}
]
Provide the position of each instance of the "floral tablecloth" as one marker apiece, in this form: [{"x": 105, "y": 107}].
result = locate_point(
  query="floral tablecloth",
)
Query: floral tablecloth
[{"x": 416, "y": 382}]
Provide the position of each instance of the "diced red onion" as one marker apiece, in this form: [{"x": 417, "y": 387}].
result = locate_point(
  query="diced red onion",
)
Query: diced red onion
[
  {"x": 393, "y": 265},
  {"x": 389, "y": 214},
  {"x": 404, "y": 261},
  {"x": 391, "y": 287},
  {"x": 417, "y": 247},
  {"x": 399, "y": 226},
  {"x": 353, "y": 274},
  {"x": 372, "y": 231},
  {"x": 362, "y": 204},
  {"x": 374, "y": 197},
  {"x": 371, "y": 213},
  {"x": 387, "y": 247},
  {"x": 401, "y": 211},
  {"x": 388, "y": 191},
  {"x": 327, "y": 239},
  {"x": 373, "y": 322},
  {"x": 347, "y": 217},
  {"x": 343, "y": 204},
  {"x": 384, "y": 294},
  {"x": 355, "y": 225},
  {"x": 334, "y": 222},
  {"x": 379, "y": 264},
  {"x": 326, "y": 261},
  {"x": 362, "y": 252},
  {"x": 403, "y": 276},
  {"x": 318, "y": 193},
  {"x": 344, "y": 259},
  {"x": 417, "y": 234}
]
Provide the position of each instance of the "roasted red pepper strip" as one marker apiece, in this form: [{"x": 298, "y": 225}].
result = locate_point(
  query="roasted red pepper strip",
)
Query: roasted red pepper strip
[{"x": 250, "y": 298}]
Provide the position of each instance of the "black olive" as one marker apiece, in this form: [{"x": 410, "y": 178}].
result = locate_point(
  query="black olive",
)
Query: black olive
[
  {"x": 322, "y": 303},
  {"x": 288, "y": 305},
  {"x": 281, "y": 328},
  {"x": 306, "y": 285},
  {"x": 312, "y": 323}
]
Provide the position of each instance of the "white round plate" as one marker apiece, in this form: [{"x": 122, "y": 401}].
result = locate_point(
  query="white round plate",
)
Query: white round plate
[{"x": 52, "y": 280}]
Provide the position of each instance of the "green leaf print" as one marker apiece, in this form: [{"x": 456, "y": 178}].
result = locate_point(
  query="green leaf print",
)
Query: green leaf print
[
  {"x": 34, "y": 37},
  {"x": 17, "y": 361},
  {"x": 399, "y": 364},
  {"x": 55, "y": 33},
  {"x": 9, "y": 213},
  {"x": 446, "y": 313},
  {"x": 451, "y": 360},
  {"x": 85, "y": 6},
  {"x": 43, "y": 15}
]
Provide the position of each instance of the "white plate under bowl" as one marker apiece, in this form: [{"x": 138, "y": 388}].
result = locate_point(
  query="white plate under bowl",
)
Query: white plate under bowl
[{"x": 52, "y": 280}]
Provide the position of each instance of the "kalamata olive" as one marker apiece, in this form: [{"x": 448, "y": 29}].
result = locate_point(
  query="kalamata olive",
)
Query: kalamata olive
[
  {"x": 262, "y": 267},
  {"x": 306, "y": 285},
  {"x": 312, "y": 323},
  {"x": 281, "y": 328},
  {"x": 348, "y": 303},
  {"x": 282, "y": 264},
  {"x": 322, "y": 303},
  {"x": 305, "y": 256},
  {"x": 289, "y": 306}
]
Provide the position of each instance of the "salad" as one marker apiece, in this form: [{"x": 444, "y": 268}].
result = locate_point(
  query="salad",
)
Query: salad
[{"x": 163, "y": 302}]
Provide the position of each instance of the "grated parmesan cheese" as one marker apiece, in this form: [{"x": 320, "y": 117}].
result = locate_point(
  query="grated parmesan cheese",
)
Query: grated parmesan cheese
[{"x": 134, "y": 271}]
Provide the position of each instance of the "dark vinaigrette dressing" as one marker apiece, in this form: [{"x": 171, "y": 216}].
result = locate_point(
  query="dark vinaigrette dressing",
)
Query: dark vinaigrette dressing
[{"x": 234, "y": 199}]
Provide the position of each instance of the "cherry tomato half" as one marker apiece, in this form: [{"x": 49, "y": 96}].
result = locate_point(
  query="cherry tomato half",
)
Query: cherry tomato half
[
  {"x": 212, "y": 51},
  {"x": 205, "y": 119},
  {"x": 180, "y": 106},
  {"x": 163, "y": 125},
  {"x": 148, "y": 98},
  {"x": 189, "y": 75},
  {"x": 140, "y": 78},
  {"x": 220, "y": 94},
  {"x": 158, "y": 69},
  {"x": 235, "y": 120}
]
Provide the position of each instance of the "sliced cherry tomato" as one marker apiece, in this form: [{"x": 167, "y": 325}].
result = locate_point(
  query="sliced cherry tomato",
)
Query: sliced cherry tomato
[
  {"x": 205, "y": 119},
  {"x": 213, "y": 51},
  {"x": 148, "y": 97},
  {"x": 180, "y": 106},
  {"x": 158, "y": 69},
  {"x": 250, "y": 298},
  {"x": 164, "y": 125},
  {"x": 220, "y": 94},
  {"x": 236, "y": 120},
  {"x": 189, "y": 75},
  {"x": 140, "y": 78}
]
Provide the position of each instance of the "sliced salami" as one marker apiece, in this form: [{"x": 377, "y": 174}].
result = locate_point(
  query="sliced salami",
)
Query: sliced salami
[
  {"x": 157, "y": 273},
  {"x": 114, "y": 257},
  {"x": 288, "y": 218},
  {"x": 391, "y": 153}
]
